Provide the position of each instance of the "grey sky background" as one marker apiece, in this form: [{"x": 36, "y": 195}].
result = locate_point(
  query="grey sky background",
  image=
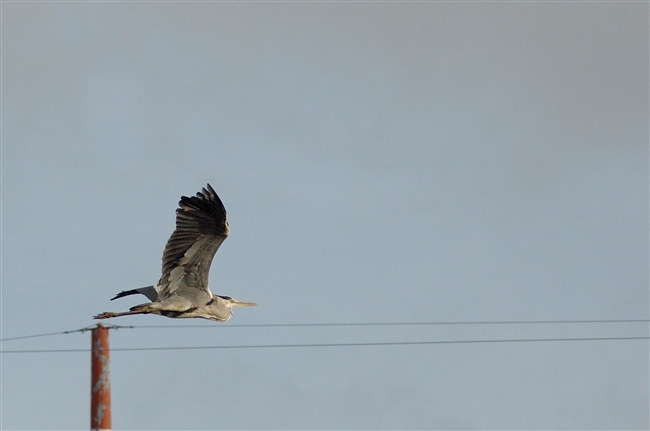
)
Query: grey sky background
[{"x": 380, "y": 162}]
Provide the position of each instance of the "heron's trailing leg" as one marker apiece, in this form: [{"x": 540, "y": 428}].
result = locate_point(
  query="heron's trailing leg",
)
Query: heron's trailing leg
[{"x": 134, "y": 310}]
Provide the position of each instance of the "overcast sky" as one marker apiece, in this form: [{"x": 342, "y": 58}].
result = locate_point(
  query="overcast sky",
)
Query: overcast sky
[{"x": 380, "y": 162}]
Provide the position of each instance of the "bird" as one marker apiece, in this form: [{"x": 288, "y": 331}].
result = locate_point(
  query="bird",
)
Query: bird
[{"x": 182, "y": 291}]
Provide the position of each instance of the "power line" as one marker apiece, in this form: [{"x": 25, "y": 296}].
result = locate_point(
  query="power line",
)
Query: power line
[
  {"x": 307, "y": 325},
  {"x": 89, "y": 328},
  {"x": 276, "y": 346}
]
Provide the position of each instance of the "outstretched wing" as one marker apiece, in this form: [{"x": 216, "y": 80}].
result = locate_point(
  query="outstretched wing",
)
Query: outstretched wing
[{"x": 201, "y": 227}]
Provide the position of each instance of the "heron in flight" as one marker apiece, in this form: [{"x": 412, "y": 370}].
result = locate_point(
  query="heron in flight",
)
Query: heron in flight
[{"x": 182, "y": 291}]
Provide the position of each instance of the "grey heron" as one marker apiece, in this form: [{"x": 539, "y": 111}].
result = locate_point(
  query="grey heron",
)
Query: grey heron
[{"x": 182, "y": 291}]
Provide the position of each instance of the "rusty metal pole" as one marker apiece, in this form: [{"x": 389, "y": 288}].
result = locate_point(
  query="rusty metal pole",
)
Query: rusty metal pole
[{"x": 100, "y": 390}]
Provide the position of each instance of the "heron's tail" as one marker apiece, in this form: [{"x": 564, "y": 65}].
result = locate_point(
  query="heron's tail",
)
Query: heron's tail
[{"x": 149, "y": 291}]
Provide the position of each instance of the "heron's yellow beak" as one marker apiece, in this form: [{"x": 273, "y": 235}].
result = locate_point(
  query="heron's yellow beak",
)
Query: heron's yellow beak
[{"x": 236, "y": 303}]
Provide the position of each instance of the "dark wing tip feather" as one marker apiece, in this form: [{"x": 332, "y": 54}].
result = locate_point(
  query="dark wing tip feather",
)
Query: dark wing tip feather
[
  {"x": 205, "y": 206},
  {"x": 202, "y": 214}
]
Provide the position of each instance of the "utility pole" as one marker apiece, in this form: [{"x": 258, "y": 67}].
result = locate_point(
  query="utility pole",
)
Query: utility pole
[{"x": 100, "y": 389}]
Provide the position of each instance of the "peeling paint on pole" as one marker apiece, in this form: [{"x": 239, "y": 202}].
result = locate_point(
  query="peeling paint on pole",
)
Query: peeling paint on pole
[{"x": 100, "y": 389}]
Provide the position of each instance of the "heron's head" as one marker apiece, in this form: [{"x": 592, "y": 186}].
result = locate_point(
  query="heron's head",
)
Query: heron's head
[{"x": 232, "y": 302}]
